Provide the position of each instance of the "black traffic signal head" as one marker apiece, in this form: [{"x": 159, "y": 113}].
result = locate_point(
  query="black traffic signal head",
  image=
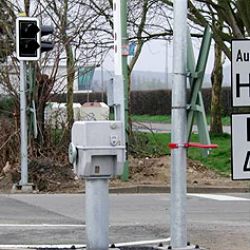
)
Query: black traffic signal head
[{"x": 28, "y": 38}]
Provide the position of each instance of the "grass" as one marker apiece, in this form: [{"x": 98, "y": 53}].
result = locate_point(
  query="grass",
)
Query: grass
[
  {"x": 150, "y": 144},
  {"x": 219, "y": 159},
  {"x": 167, "y": 119},
  {"x": 152, "y": 118},
  {"x": 226, "y": 120}
]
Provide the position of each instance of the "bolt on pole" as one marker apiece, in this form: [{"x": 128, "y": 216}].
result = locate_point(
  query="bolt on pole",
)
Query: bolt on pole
[
  {"x": 23, "y": 124},
  {"x": 179, "y": 127}
]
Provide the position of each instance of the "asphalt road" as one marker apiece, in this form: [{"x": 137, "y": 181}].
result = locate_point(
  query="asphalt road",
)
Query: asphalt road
[{"x": 215, "y": 222}]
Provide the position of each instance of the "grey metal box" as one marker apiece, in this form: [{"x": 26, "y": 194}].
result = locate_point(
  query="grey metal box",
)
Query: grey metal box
[{"x": 100, "y": 148}]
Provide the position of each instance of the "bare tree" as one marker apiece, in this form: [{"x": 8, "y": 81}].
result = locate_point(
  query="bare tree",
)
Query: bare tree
[
  {"x": 75, "y": 37},
  {"x": 8, "y": 62},
  {"x": 228, "y": 19},
  {"x": 216, "y": 79},
  {"x": 147, "y": 20}
]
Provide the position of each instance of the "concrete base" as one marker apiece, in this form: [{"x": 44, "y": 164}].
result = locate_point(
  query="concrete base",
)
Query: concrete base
[{"x": 28, "y": 188}]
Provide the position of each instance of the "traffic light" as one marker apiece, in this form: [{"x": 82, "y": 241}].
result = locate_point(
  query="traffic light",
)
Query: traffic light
[
  {"x": 28, "y": 38},
  {"x": 46, "y": 45},
  {"x": 29, "y": 45}
]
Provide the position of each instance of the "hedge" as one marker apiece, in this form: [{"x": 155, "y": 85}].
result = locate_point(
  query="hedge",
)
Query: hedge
[{"x": 156, "y": 102}]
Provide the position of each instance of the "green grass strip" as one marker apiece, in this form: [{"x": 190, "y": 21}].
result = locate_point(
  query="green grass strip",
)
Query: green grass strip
[{"x": 156, "y": 144}]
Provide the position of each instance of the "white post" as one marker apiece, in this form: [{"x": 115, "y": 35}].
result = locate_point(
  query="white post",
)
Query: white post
[
  {"x": 179, "y": 128},
  {"x": 23, "y": 124},
  {"x": 118, "y": 69},
  {"x": 97, "y": 213},
  {"x": 117, "y": 38}
]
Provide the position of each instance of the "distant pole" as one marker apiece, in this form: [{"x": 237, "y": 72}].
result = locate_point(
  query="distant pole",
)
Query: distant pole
[
  {"x": 102, "y": 79},
  {"x": 179, "y": 128},
  {"x": 166, "y": 67},
  {"x": 23, "y": 125}
]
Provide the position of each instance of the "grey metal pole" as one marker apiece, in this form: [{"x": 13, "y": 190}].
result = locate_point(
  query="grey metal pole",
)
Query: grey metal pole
[
  {"x": 179, "y": 127},
  {"x": 97, "y": 213},
  {"x": 23, "y": 124}
]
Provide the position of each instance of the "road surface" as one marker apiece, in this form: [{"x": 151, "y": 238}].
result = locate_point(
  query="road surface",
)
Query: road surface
[{"x": 214, "y": 221}]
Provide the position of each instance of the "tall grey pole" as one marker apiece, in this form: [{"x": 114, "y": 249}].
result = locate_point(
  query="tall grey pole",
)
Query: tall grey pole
[
  {"x": 179, "y": 128},
  {"x": 23, "y": 124},
  {"x": 97, "y": 213}
]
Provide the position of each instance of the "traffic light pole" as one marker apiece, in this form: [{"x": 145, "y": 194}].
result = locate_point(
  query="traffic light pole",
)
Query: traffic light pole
[
  {"x": 28, "y": 48},
  {"x": 23, "y": 125}
]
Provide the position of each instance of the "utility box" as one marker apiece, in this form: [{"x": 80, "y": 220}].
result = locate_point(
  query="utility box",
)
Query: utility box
[
  {"x": 55, "y": 114},
  {"x": 100, "y": 148},
  {"x": 94, "y": 111}
]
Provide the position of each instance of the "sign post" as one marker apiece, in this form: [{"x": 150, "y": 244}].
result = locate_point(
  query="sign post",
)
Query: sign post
[{"x": 240, "y": 123}]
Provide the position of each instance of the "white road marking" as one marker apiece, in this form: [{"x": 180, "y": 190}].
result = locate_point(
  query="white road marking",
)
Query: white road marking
[
  {"x": 132, "y": 243},
  {"x": 42, "y": 225},
  {"x": 220, "y": 197},
  {"x": 39, "y": 246},
  {"x": 144, "y": 242}
]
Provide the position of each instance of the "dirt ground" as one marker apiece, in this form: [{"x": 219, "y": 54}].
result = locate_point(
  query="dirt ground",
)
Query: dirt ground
[
  {"x": 49, "y": 177},
  {"x": 156, "y": 171}
]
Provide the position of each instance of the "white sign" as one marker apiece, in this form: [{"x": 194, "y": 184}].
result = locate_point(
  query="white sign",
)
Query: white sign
[
  {"x": 240, "y": 73},
  {"x": 240, "y": 146}
]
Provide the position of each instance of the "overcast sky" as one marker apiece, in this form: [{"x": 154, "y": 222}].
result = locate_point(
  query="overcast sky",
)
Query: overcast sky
[{"x": 153, "y": 57}]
